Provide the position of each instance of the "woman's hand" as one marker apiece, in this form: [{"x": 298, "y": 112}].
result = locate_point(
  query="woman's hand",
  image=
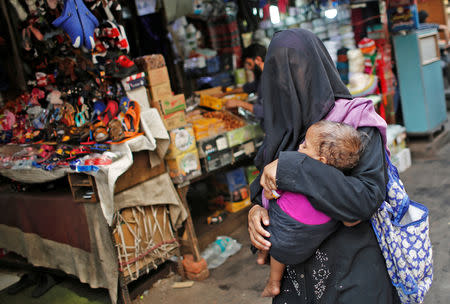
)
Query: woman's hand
[
  {"x": 256, "y": 216},
  {"x": 269, "y": 177},
  {"x": 232, "y": 104}
]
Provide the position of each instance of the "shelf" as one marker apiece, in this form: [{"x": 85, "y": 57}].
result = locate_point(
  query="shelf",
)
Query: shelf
[{"x": 80, "y": 185}]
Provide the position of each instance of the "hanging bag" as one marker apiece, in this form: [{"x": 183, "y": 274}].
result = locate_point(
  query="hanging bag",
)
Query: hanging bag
[{"x": 402, "y": 229}]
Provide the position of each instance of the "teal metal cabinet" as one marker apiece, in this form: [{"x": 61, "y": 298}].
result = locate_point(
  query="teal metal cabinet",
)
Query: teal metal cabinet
[{"x": 420, "y": 80}]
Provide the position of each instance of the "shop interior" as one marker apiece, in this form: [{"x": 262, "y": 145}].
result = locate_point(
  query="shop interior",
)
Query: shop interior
[{"x": 118, "y": 144}]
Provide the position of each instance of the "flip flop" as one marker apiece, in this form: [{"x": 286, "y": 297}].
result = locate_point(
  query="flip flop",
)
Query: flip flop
[
  {"x": 116, "y": 132},
  {"x": 132, "y": 119},
  {"x": 100, "y": 132},
  {"x": 110, "y": 112}
]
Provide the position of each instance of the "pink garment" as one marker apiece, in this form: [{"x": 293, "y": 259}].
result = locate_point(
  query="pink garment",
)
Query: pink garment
[
  {"x": 298, "y": 207},
  {"x": 358, "y": 112}
]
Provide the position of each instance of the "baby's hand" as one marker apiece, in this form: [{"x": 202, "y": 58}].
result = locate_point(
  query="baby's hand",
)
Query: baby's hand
[
  {"x": 271, "y": 195},
  {"x": 268, "y": 195}
]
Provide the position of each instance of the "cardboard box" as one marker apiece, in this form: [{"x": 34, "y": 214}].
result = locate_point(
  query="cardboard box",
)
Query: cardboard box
[
  {"x": 212, "y": 145},
  {"x": 181, "y": 140},
  {"x": 184, "y": 167},
  {"x": 150, "y": 62},
  {"x": 160, "y": 91},
  {"x": 217, "y": 160},
  {"x": 170, "y": 104},
  {"x": 157, "y": 76},
  {"x": 237, "y": 206},
  {"x": 233, "y": 185},
  {"x": 211, "y": 102},
  {"x": 212, "y": 91},
  {"x": 174, "y": 120}
]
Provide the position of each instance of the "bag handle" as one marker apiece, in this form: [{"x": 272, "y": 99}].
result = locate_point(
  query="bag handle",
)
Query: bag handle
[{"x": 395, "y": 178}]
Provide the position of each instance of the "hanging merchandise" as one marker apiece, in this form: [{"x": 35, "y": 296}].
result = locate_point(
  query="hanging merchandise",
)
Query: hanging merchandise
[
  {"x": 78, "y": 22},
  {"x": 342, "y": 64},
  {"x": 402, "y": 15},
  {"x": 224, "y": 31},
  {"x": 369, "y": 50},
  {"x": 176, "y": 9}
]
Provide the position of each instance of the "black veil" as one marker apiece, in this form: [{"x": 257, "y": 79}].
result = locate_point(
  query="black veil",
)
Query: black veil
[{"x": 299, "y": 85}]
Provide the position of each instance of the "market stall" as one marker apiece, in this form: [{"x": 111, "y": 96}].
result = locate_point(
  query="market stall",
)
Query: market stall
[{"x": 83, "y": 117}]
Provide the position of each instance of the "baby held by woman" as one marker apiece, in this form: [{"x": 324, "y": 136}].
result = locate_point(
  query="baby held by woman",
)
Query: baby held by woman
[{"x": 296, "y": 228}]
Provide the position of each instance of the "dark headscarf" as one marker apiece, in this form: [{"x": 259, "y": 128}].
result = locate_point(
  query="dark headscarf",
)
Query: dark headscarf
[{"x": 300, "y": 83}]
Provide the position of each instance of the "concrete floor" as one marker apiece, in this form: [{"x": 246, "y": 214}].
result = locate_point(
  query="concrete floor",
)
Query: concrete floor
[{"x": 241, "y": 280}]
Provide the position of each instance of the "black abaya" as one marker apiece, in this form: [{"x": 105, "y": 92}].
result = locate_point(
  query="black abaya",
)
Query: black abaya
[{"x": 299, "y": 87}]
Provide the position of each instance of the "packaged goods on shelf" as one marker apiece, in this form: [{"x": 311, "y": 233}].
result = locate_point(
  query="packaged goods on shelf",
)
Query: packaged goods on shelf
[
  {"x": 217, "y": 160},
  {"x": 184, "y": 166},
  {"x": 208, "y": 127},
  {"x": 181, "y": 139},
  {"x": 210, "y": 124},
  {"x": 211, "y": 102},
  {"x": 212, "y": 145},
  {"x": 237, "y": 206},
  {"x": 234, "y": 187},
  {"x": 240, "y": 135},
  {"x": 217, "y": 103},
  {"x": 243, "y": 151},
  {"x": 134, "y": 81}
]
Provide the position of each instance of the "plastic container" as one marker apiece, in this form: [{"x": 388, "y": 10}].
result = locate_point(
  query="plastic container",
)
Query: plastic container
[{"x": 218, "y": 251}]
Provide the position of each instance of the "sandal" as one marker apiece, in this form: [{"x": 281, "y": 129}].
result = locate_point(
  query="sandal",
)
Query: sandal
[
  {"x": 82, "y": 116},
  {"x": 100, "y": 132},
  {"x": 110, "y": 112},
  {"x": 116, "y": 132},
  {"x": 68, "y": 114},
  {"x": 132, "y": 118}
]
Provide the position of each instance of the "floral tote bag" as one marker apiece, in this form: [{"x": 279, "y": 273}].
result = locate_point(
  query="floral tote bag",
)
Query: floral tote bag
[{"x": 402, "y": 229}]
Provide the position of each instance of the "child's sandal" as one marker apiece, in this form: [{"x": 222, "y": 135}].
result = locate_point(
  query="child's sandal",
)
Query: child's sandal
[{"x": 116, "y": 132}]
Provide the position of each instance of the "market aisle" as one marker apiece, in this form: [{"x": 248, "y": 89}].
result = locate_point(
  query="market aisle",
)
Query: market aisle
[
  {"x": 238, "y": 280},
  {"x": 428, "y": 181}
]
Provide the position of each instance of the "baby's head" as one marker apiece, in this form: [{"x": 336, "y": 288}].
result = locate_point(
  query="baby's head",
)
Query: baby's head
[{"x": 335, "y": 144}]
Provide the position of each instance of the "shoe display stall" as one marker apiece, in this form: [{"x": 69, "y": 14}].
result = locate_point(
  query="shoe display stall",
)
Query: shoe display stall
[{"x": 84, "y": 182}]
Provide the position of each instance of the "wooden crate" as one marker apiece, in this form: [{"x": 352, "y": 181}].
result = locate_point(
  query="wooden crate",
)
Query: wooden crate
[
  {"x": 80, "y": 184},
  {"x": 139, "y": 172}
]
